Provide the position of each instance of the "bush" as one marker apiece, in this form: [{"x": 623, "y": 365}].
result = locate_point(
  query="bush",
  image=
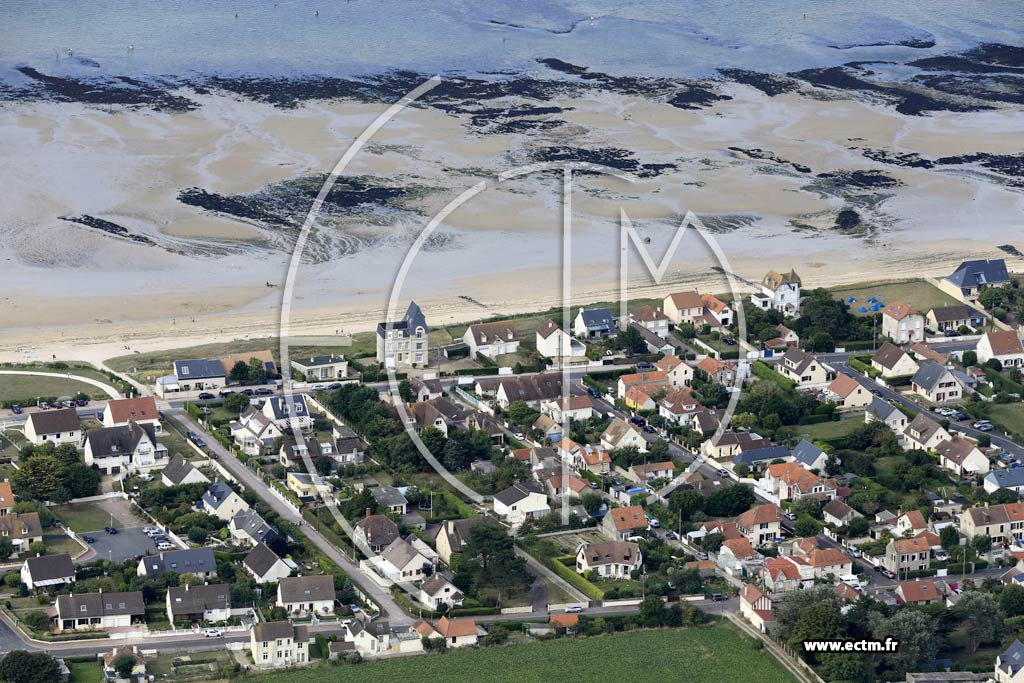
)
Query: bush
[
  {"x": 761, "y": 369},
  {"x": 560, "y": 565}
]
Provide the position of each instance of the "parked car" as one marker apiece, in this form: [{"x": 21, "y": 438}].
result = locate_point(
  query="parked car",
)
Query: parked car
[
  {"x": 89, "y": 539},
  {"x": 110, "y": 530},
  {"x": 653, "y": 523},
  {"x": 701, "y": 555},
  {"x": 318, "y": 387},
  {"x": 877, "y": 392},
  {"x": 150, "y": 531},
  {"x": 224, "y": 393},
  {"x": 264, "y": 391},
  {"x": 650, "y": 430},
  {"x": 165, "y": 545},
  {"x": 637, "y": 420},
  {"x": 594, "y": 485},
  {"x": 43, "y": 405},
  {"x": 790, "y": 515},
  {"x": 248, "y": 392},
  {"x": 82, "y": 402},
  {"x": 984, "y": 426},
  {"x": 518, "y": 435},
  {"x": 957, "y": 416},
  {"x": 16, "y": 409},
  {"x": 206, "y": 396},
  {"x": 146, "y": 476},
  {"x": 644, "y": 366},
  {"x": 213, "y": 633},
  {"x": 573, "y": 609},
  {"x": 943, "y": 411},
  {"x": 593, "y": 392},
  {"x": 672, "y": 536},
  {"x": 336, "y": 385},
  {"x": 718, "y": 597},
  {"x": 729, "y": 341}
]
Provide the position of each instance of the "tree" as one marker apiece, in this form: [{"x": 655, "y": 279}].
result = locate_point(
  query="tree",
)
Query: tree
[
  {"x": 858, "y": 526},
  {"x": 843, "y": 667},
  {"x": 1011, "y": 600},
  {"x": 820, "y": 621},
  {"x": 684, "y": 503},
  {"x": 950, "y": 537},
  {"x": 236, "y": 402},
  {"x": 652, "y": 611},
  {"x": 970, "y": 358},
  {"x": 729, "y": 501},
  {"x": 712, "y": 542},
  {"x": 807, "y": 527},
  {"x": 981, "y": 617},
  {"x": 994, "y": 364},
  {"x": 914, "y": 631},
  {"x": 34, "y": 548},
  {"x": 40, "y": 478},
  {"x": 405, "y": 391},
  {"x": 631, "y": 341},
  {"x": 820, "y": 341},
  {"x": 793, "y": 605},
  {"x": 981, "y": 544},
  {"x": 239, "y": 373},
  {"x": 6, "y": 547},
  {"x": 123, "y": 664},
  {"x": 520, "y": 413},
  {"x": 19, "y": 666},
  {"x": 984, "y": 441}
]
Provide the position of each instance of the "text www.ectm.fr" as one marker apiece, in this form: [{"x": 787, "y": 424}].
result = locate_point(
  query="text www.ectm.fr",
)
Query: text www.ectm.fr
[{"x": 887, "y": 645}]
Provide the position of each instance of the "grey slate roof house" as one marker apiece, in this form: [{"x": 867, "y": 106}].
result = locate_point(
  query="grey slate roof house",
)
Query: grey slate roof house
[
  {"x": 594, "y": 323},
  {"x": 198, "y": 561},
  {"x": 99, "y": 610},
  {"x": 264, "y": 565},
  {"x": 180, "y": 471},
  {"x": 375, "y": 532},
  {"x": 1010, "y": 662},
  {"x": 48, "y": 570},
  {"x": 198, "y": 368},
  {"x": 971, "y": 276}
]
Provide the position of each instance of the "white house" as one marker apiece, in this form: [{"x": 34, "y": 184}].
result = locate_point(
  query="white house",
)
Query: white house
[
  {"x": 404, "y": 343},
  {"x": 254, "y": 431},
  {"x": 1012, "y": 479},
  {"x": 595, "y": 323},
  {"x": 437, "y": 591},
  {"x": 321, "y": 368},
  {"x": 678, "y": 373},
  {"x": 94, "y": 611},
  {"x": 1004, "y": 346},
  {"x": 209, "y": 603},
  {"x": 650, "y": 318},
  {"x": 924, "y": 433},
  {"x": 756, "y": 607},
  {"x": 892, "y": 361},
  {"x": 492, "y": 339},
  {"x": 126, "y": 448},
  {"x": 620, "y": 434},
  {"x": 887, "y": 413},
  {"x": 288, "y": 412},
  {"x": 191, "y": 377},
  {"x": 47, "y": 570},
  {"x": 401, "y": 562},
  {"x": 962, "y": 456},
  {"x": 264, "y": 566},
  {"x": 936, "y": 383},
  {"x": 307, "y": 594},
  {"x": 221, "y": 501},
  {"x": 902, "y": 324},
  {"x": 779, "y": 291},
  {"x": 554, "y": 342},
  {"x": 279, "y": 643},
  {"x": 521, "y": 501},
  {"x": 179, "y": 471},
  {"x": 802, "y": 368},
  {"x": 54, "y": 426},
  {"x": 610, "y": 559},
  {"x": 684, "y": 307}
]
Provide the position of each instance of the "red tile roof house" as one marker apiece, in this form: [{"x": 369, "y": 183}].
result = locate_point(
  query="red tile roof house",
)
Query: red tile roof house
[
  {"x": 141, "y": 410},
  {"x": 785, "y": 574},
  {"x": 621, "y": 523},
  {"x": 920, "y": 592},
  {"x": 756, "y": 607},
  {"x": 761, "y": 524}
]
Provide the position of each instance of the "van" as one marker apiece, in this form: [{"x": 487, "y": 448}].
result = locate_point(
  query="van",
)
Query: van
[{"x": 852, "y": 580}]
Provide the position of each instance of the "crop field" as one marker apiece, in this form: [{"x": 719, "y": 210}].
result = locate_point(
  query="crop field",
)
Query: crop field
[{"x": 711, "y": 654}]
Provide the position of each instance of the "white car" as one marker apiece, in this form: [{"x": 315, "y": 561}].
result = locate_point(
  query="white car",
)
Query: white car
[
  {"x": 573, "y": 609},
  {"x": 318, "y": 387},
  {"x": 213, "y": 633},
  {"x": 146, "y": 477},
  {"x": 519, "y": 435},
  {"x": 165, "y": 546},
  {"x": 150, "y": 531}
]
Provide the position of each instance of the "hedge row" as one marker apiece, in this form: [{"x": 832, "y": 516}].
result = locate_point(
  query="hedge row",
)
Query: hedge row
[
  {"x": 559, "y": 566},
  {"x": 764, "y": 372},
  {"x": 477, "y": 371},
  {"x": 814, "y": 419}
]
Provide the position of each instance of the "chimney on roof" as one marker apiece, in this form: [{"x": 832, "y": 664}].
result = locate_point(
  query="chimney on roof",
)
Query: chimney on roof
[{"x": 368, "y": 512}]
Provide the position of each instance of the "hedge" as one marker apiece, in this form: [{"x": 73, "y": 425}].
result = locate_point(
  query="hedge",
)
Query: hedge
[
  {"x": 559, "y": 566},
  {"x": 462, "y": 507},
  {"x": 814, "y": 419},
  {"x": 762, "y": 370},
  {"x": 609, "y": 374},
  {"x": 859, "y": 345},
  {"x": 477, "y": 371}
]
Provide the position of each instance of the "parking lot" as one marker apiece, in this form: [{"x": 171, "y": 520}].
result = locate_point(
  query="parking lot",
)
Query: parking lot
[{"x": 124, "y": 545}]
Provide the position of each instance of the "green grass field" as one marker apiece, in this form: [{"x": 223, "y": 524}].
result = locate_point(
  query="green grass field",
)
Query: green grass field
[
  {"x": 717, "y": 653},
  {"x": 829, "y": 430},
  {"x": 1008, "y": 415},
  {"x": 922, "y": 295},
  {"x": 83, "y": 517},
  {"x": 30, "y": 387},
  {"x": 86, "y": 672}
]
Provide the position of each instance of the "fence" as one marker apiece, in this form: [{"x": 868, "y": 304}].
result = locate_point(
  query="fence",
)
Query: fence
[
  {"x": 525, "y": 609},
  {"x": 473, "y": 400}
]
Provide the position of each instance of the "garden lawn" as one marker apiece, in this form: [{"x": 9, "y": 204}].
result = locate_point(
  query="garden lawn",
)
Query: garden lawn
[
  {"x": 83, "y": 517},
  {"x": 711, "y": 654},
  {"x": 1008, "y": 415},
  {"x": 829, "y": 430},
  {"x": 28, "y": 388},
  {"x": 86, "y": 672},
  {"x": 921, "y": 295}
]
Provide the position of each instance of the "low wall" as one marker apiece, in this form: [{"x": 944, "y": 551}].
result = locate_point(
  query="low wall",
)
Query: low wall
[{"x": 525, "y": 609}]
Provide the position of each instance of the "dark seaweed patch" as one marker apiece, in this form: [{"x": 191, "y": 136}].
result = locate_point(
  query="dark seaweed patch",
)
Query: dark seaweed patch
[
  {"x": 873, "y": 180},
  {"x": 695, "y": 97},
  {"x": 765, "y": 155},
  {"x": 108, "y": 227},
  {"x": 848, "y": 220},
  {"x": 121, "y": 91},
  {"x": 961, "y": 65},
  {"x": 906, "y": 159},
  {"x": 769, "y": 84},
  {"x": 993, "y": 88},
  {"x": 916, "y": 43},
  {"x": 1011, "y": 250},
  {"x": 612, "y": 157},
  {"x": 680, "y": 93},
  {"x": 1006, "y": 164},
  {"x": 995, "y": 53}
]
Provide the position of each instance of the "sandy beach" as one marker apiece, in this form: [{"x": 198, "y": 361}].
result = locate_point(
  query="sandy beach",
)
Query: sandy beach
[{"x": 750, "y": 167}]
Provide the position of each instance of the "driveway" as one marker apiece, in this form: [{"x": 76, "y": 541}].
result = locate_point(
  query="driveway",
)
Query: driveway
[{"x": 124, "y": 545}]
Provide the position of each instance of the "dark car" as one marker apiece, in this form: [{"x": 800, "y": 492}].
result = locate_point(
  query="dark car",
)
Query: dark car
[
  {"x": 335, "y": 386},
  {"x": 191, "y": 435},
  {"x": 110, "y": 530},
  {"x": 729, "y": 341},
  {"x": 718, "y": 597},
  {"x": 16, "y": 409},
  {"x": 593, "y": 392},
  {"x": 639, "y": 421},
  {"x": 43, "y": 405},
  {"x": 248, "y": 392},
  {"x": 82, "y": 402},
  {"x": 645, "y": 366},
  {"x": 650, "y": 430},
  {"x": 957, "y": 416},
  {"x": 89, "y": 539},
  {"x": 199, "y": 442},
  {"x": 877, "y": 392},
  {"x": 206, "y": 396},
  {"x": 264, "y": 391}
]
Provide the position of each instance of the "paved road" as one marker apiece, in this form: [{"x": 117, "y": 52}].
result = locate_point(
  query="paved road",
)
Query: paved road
[{"x": 257, "y": 486}]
